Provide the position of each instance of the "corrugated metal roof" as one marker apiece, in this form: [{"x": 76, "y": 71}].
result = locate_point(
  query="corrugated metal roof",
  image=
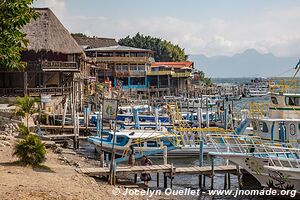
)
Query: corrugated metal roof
[
  {"x": 118, "y": 48},
  {"x": 185, "y": 64}
]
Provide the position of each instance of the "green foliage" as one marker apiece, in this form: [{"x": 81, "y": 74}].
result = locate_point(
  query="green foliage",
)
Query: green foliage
[
  {"x": 78, "y": 34},
  {"x": 23, "y": 130},
  {"x": 25, "y": 107},
  {"x": 164, "y": 51},
  {"x": 14, "y": 14},
  {"x": 206, "y": 80},
  {"x": 30, "y": 151}
]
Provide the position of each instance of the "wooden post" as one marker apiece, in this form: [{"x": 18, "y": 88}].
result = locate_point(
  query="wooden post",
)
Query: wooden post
[
  {"x": 101, "y": 158},
  {"x": 225, "y": 181},
  {"x": 171, "y": 176},
  {"x": 228, "y": 176},
  {"x": 239, "y": 176},
  {"x": 165, "y": 180},
  {"x": 113, "y": 165},
  {"x": 135, "y": 178},
  {"x": 25, "y": 83},
  {"x": 207, "y": 113},
  {"x": 212, "y": 173},
  {"x": 165, "y": 155},
  {"x": 201, "y": 161},
  {"x": 157, "y": 179}
]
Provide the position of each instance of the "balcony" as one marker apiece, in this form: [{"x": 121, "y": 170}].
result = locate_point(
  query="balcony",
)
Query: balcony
[
  {"x": 11, "y": 92},
  {"x": 127, "y": 73},
  {"x": 137, "y": 73},
  {"x": 123, "y": 59},
  {"x": 181, "y": 74},
  {"x": 53, "y": 66},
  {"x": 56, "y": 91},
  {"x": 159, "y": 73}
]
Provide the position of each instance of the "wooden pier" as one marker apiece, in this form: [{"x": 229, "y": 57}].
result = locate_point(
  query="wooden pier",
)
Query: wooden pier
[{"x": 169, "y": 171}]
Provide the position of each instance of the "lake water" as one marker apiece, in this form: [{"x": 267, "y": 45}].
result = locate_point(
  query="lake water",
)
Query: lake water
[{"x": 191, "y": 181}]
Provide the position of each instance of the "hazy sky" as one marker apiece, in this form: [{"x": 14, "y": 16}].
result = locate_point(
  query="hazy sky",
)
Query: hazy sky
[{"x": 209, "y": 27}]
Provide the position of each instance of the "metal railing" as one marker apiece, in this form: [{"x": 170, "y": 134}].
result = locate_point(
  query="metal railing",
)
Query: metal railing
[
  {"x": 52, "y": 65},
  {"x": 281, "y": 154},
  {"x": 7, "y": 92},
  {"x": 49, "y": 90}
]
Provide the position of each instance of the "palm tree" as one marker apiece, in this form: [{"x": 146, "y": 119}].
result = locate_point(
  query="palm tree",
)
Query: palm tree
[
  {"x": 30, "y": 150},
  {"x": 25, "y": 107}
]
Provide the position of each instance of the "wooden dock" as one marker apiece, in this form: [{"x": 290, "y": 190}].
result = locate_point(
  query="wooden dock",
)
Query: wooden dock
[
  {"x": 66, "y": 127},
  {"x": 63, "y": 137},
  {"x": 169, "y": 171},
  {"x": 159, "y": 168}
]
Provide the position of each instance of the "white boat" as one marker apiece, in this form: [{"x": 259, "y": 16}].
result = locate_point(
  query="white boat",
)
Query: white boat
[
  {"x": 255, "y": 155},
  {"x": 233, "y": 97},
  {"x": 253, "y": 92},
  {"x": 147, "y": 141},
  {"x": 279, "y": 120},
  {"x": 257, "y": 87}
]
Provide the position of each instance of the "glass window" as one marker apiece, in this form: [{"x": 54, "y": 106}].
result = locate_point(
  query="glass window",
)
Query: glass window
[
  {"x": 292, "y": 129},
  {"x": 133, "y": 68},
  {"x": 292, "y": 101},
  {"x": 151, "y": 144},
  {"x": 263, "y": 127},
  {"x": 274, "y": 100},
  {"x": 124, "y": 67}
]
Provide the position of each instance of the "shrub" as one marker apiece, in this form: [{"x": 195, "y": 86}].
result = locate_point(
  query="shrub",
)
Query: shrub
[
  {"x": 24, "y": 131},
  {"x": 30, "y": 151}
]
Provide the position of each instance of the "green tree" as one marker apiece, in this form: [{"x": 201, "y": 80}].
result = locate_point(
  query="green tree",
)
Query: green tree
[
  {"x": 205, "y": 80},
  {"x": 25, "y": 107},
  {"x": 14, "y": 14},
  {"x": 30, "y": 151},
  {"x": 78, "y": 34},
  {"x": 164, "y": 51}
]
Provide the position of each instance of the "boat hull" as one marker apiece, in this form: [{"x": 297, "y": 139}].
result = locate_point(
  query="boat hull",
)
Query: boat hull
[{"x": 266, "y": 177}]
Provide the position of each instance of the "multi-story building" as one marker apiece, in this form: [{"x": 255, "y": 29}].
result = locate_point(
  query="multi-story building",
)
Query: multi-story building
[
  {"x": 55, "y": 66},
  {"x": 170, "y": 77},
  {"x": 126, "y": 66}
]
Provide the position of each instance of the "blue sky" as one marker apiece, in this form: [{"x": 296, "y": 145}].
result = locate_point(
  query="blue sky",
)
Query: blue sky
[{"x": 210, "y": 27}]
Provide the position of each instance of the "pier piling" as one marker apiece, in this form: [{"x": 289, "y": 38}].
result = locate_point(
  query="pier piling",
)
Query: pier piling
[
  {"x": 212, "y": 172},
  {"x": 157, "y": 179}
]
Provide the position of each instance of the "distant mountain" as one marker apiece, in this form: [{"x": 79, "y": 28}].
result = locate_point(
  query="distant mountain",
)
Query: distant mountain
[{"x": 250, "y": 63}]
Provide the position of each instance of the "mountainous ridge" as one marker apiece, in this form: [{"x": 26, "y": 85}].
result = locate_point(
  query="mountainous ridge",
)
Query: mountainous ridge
[{"x": 246, "y": 64}]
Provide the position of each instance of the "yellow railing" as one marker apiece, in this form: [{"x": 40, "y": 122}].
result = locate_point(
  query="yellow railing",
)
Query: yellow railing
[
  {"x": 284, "y": 86},
  {"x": 159, "y": 73},
  {"x": 258, "y": 110},
  {"x": 181, "y": 74}
]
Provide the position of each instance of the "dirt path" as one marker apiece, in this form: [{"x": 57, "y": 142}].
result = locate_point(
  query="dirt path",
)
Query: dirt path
[{"x": 57, "y": 180}]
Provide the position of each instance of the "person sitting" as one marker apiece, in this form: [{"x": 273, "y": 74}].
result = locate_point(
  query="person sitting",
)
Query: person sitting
[{"x": 146, "y": 177}]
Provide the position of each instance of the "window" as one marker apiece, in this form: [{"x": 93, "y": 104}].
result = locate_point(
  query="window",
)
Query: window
[
  {"x": 124, "y": 67},
  {"x": 141, "y": 67},
  {"x": 292, "y": 101},
  {"x": 133, "y": 68},
  {"x": 263, "y": 127},
  {"x": 274, "y": 100},
  {"x": 292, "y": 129},
  {"x": 137, "y": 81},
  {"x": 151, "y": 144}
]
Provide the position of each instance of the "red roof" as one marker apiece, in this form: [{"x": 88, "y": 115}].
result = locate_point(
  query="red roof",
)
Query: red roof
[{"x": 185, "y": 64}]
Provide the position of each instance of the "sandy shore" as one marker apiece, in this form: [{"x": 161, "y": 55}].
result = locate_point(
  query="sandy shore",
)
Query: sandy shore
[{"x": 56, "y": 180}]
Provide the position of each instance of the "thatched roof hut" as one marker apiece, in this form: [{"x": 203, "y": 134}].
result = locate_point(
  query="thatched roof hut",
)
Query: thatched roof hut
[
  {"x": 47, "y": 33},
  {"x": 94, "y": 42}
]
